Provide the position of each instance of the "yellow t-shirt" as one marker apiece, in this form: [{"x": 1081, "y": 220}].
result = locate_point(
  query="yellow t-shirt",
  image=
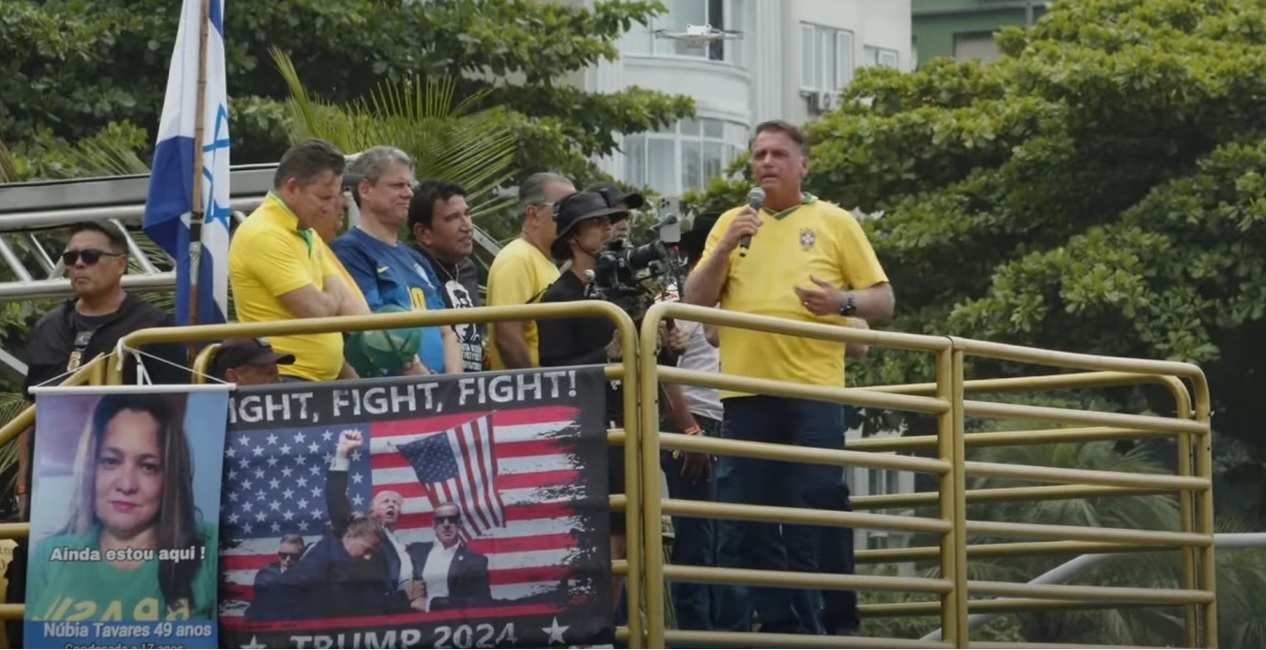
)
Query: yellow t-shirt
[
  {"x": 518, "y": 274},
  {"x": 815, "y": 238},
  {"x": 269, "y": 257}
]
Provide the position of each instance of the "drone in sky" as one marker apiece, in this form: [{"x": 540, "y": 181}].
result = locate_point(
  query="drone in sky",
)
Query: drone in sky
[{"x": 699, "y": 35}]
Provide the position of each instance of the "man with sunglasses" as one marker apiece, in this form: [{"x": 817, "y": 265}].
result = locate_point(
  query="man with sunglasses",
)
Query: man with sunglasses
[
  {"x": 289, "y": 551},
  {"x": 452, "y": 576},
  {"x": 77, "y": 331}
]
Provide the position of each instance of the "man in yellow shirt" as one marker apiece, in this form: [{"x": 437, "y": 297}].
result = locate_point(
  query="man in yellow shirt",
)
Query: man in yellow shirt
[
  {"x": 523, "y": 270},
  {"x": 802, "y": 259},
  {"x": 279, "y": 268}
]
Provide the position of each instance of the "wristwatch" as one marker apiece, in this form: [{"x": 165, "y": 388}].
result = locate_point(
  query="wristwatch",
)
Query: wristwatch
[{"x": 849, "y": 305}]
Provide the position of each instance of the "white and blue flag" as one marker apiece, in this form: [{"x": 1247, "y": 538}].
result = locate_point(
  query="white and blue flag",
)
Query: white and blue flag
[{"x": 169, "y": 207}]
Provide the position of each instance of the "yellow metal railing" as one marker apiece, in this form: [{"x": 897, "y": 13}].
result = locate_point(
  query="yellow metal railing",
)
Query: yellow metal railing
[
  {"x": 645, "y": 508},
  {"x": 1193, "y": 483},
  {"x": 630, "y": 502}
]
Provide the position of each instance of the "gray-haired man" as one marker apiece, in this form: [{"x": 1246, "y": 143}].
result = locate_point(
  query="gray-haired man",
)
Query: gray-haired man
[
  {"x": 523, "y": 270},
  {"x": 388, "y": 271}
]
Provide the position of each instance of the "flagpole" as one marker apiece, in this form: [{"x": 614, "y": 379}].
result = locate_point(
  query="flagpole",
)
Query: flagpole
[{"x": 196, "y": 209}]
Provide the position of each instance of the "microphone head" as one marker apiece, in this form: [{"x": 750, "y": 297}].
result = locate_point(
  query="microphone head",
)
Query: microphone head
[{"x": 756, "y": 198}]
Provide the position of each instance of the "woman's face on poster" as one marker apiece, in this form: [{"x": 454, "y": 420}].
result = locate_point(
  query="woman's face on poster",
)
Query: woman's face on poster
[{"x": 129, "y": 485}]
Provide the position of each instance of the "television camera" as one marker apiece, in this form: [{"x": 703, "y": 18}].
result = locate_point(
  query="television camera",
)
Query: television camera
[{"x": 633, "y": 277}]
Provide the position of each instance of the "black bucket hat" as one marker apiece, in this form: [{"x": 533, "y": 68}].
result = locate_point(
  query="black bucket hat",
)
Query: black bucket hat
[
  {"x": 615, "y": 196},
  {"x": 576, "y": 208}
]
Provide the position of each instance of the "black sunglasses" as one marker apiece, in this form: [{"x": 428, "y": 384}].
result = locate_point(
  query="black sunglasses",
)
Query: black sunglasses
[
  {"x": 447, "y": 519},
  {"x": 90, "y": 256},
  {"x": 288, "y": 556}
]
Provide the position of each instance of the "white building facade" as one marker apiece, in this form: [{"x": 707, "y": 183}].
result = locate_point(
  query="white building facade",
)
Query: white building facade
[{"x": 793, "y": 58}]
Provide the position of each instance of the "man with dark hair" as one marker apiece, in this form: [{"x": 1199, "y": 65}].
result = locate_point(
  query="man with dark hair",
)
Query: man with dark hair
[
  {"x": 77, "y": 331},
  {"x": 452, "y": 576},
  {"x": 805, "y": 259},
  {"x": 248, "y": 362},
  {"x": 439, "y": 220},
  {"x": 289, "y": 550},
  {"x": 524, "y": 269},
  {"x": 279, "y": 268},
  {"x": 389, "y": 272}
]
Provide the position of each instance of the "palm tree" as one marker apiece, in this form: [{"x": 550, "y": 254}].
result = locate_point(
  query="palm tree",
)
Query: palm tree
[{"x": 446, "y": 138}]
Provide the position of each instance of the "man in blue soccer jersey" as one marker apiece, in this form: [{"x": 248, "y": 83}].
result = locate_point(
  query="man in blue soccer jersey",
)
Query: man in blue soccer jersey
[{"x": 388, "y": 271}]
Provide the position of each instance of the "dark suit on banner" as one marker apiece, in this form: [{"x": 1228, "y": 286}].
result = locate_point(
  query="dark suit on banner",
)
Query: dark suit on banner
[
  {"x": 327, "y": 583},
  {"x": 340, "y": 510},
  {"x": 467, "y": 583}
]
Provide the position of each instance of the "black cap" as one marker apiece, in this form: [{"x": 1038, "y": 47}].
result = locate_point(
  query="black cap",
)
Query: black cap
[
  {"x": 576, "y": 208},
  {"x": 240, "y": 352},
  {"x": 693, "y": 240},
  {"x": 615, "y": 196}
]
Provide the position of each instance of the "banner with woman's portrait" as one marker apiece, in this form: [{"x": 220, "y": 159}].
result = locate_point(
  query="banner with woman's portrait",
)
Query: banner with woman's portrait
[{"x": 124, "y": 517}]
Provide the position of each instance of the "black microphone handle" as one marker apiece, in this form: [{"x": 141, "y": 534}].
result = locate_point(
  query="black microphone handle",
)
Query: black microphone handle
[{"x": 744, "y": 244}]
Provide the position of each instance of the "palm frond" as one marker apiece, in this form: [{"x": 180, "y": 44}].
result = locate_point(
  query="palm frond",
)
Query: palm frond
[
  {"x": 8, "y": 165},
  {"x": 447, "y": 137}
]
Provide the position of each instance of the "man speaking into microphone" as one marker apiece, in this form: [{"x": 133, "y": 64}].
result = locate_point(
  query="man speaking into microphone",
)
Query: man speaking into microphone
[{"x": 790, "y": 255}]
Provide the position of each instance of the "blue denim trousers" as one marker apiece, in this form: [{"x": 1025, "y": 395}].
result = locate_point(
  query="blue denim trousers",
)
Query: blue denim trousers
[
  {"x": 766, "y": 546},
  {"x": 694, "y": 541}
]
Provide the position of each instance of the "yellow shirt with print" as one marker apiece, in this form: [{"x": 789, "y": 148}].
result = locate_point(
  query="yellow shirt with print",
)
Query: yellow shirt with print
[
  {"x": 816, "y": 239},
  {"x": 518, "y": 274},
  {"x": 269, "y": 257}
]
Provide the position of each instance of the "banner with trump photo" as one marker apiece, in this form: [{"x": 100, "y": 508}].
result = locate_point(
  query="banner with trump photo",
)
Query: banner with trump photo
[
  {"x": 466, "y": 511},
  {"x": 124, "y": 526}
]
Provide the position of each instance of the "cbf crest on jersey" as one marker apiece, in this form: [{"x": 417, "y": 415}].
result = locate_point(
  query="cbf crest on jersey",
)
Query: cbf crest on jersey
[{"x": 807, "y": 239}]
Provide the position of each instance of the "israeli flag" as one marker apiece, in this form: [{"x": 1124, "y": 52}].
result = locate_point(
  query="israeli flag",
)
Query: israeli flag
[{"x": 169, "y": 207}]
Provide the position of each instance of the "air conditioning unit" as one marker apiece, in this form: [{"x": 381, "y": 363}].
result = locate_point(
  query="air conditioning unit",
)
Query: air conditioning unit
[{"x": 823, "y": 101}]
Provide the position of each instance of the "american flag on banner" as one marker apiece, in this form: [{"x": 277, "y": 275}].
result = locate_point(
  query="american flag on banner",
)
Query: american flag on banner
[
  {"x": 460, "y": 466},
  {"x": 275, "y": 485}
]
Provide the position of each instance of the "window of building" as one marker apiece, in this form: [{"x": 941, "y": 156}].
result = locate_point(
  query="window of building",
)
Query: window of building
[
  {"x": 826, "y": 58},
  {"x": 721, "y": 14},
  {"x": 684, "y": 158},
  {"x": 878, "y": 56},
  {"x": 883, "y": 481},
  {"x": 978, "y": 46}
]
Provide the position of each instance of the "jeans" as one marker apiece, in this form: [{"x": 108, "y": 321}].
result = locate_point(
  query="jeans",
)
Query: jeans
[
  {"x": 757, "y": 481},
  {"x": 694, "y": 542}
]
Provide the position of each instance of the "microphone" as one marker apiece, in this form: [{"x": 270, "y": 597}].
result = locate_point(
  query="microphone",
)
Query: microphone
[{"x": 755, "y": 200}]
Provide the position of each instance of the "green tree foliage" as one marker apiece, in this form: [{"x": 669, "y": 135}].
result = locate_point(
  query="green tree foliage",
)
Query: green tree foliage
[
  {"x": 68, "y": 68},
  {"x": 1099, "y": 189}
]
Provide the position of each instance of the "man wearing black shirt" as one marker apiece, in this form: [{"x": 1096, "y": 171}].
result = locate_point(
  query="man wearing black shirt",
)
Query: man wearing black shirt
[
  {"x": 584, "y": 227},
  {"x": 439, "y": 219},
  {"x": 74, "y": 333}
]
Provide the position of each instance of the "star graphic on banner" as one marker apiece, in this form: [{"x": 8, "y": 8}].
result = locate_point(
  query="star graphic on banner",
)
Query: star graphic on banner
[
  {"x": 555, "y": 631},
  {"x": 254, "y": 644}
]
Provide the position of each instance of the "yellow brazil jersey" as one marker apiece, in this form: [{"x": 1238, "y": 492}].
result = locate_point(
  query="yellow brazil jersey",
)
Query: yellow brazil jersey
[
  {"x": 816, "y": 239},
  {"x": 518, "y": 274},
  {"x": 269, "y": 257}
]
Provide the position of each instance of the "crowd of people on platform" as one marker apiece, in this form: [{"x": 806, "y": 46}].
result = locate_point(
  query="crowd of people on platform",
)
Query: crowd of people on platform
[{"x": 795, "y": 257}]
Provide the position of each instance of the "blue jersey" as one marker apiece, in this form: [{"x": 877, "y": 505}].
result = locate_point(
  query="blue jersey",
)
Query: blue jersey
[{"x": 395, "y": 275}]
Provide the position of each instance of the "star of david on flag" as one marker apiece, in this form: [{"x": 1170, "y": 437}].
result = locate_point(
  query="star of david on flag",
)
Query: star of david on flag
[{"x": 169, "y": 207}]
